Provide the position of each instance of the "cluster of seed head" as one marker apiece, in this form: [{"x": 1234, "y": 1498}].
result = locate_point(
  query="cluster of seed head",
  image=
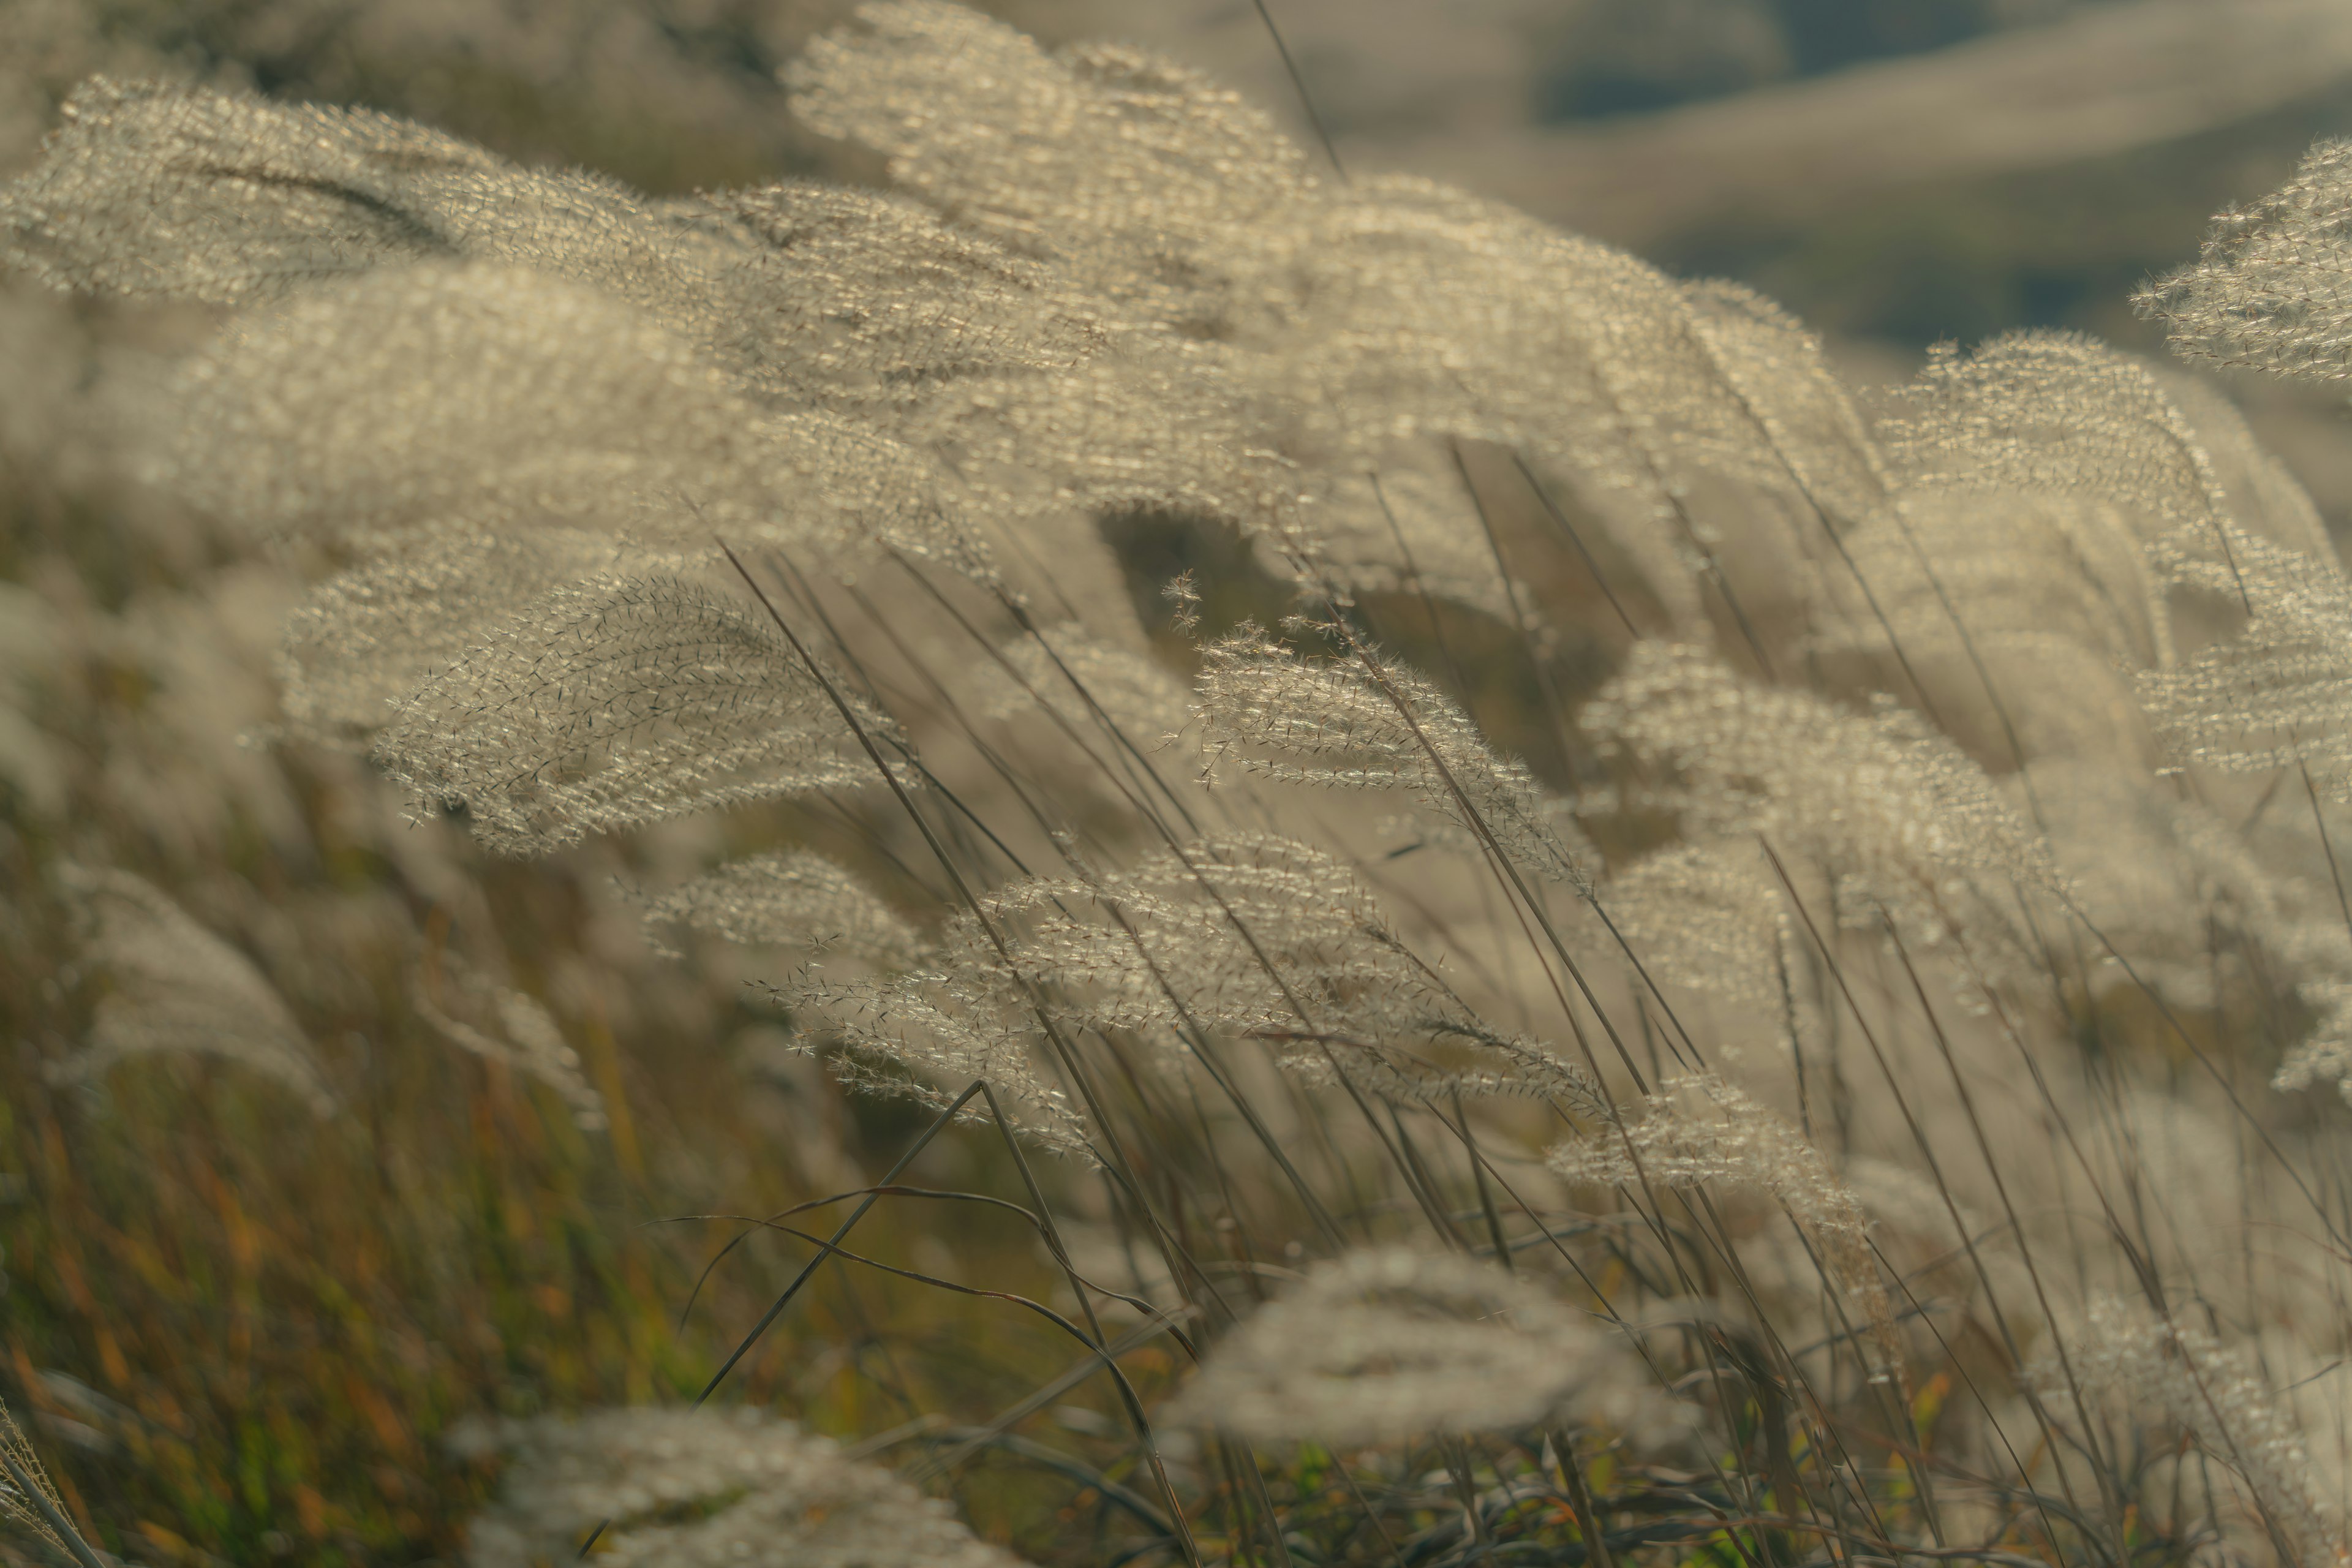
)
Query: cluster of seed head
[
  {"x": 809, "y": 294},
  {"x": 511, "y": 1027},
  {"x": 1913, "y": 830},
  {"x": 1701, "y": 1129},
  {"x": 620, "y": 700},
  {"x": 1387, "y": 1343},
  {"x": 2176, "y": 1373},
  {"x": 705, "y": 1489},
  {"x": 793, "y": 898},
  {"x": 1675, "y": 412},
  {"x": 1369, "y": 724},
  {"x": 2273, "y": 696},
  {"x": 1367, "y": 325},
  {"x": 829, "y": 370},
  {"x": 173, "y": 986},
  {"x": 540, "y": 400},
  {"x": 1270, "y": 939},
  {"x": 1247, "y": 936},
  {"x": 2272, "y": 291}
]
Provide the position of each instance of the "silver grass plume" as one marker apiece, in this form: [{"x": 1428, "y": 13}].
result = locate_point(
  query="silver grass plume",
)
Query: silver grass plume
[
  {"x": 364, "y": 638},
  {"x": 1678, "y": 413},
  {"x": 1155, "y": 426},
  {"x": 2326, "y": 1056},
  {"x": 1333, "y": 724},
  {"x": 1409, "y": 524},
  {"x": 792, "y": 896},
  {"x": 1773, "y": 366},
  {"x": 2270, "y": 696},
  {"x": 1387, "y": 1343},
  {"x": 1140, "y": 179},
  {"x": 2264, "y": 496},
  {"x": 2059, "y": 412},
  {"x": 705, "y": 1489},
  {"x": 1069, "y": 672},
  {"x": 1248, "y": 935},
  {"x": 862, "y": 302},
  {"x": 1176, "y": 425},
  {"x": 2272, "y": 290},
  {"x": 1268, "y": 938},
  {"x": 1712, "y": 917},
  {"x": 174, "y": 986},
  {"x": 620, "y": 700},
  {"x": 1345, "y": 318},
  {"x": 161, "y": 192},
  {"x": 2160, "y": 876},
  {"x": 2027, "y": 571},
  {"x": 2020, "y": 612},
  {"x": 2315, "y": 946},
  {"x": 844, "y": 298},
  {"x": 1908, "y": 826},
  {"x": 1700, "y": 1129},
  {"x": 496, "y": 399},
  {"x": 2168, "y": 1367},
  {"x": 906, "y": 1036},
  {"x": 30, "y": 1499},
  {"x": 527, "y": 1038}
]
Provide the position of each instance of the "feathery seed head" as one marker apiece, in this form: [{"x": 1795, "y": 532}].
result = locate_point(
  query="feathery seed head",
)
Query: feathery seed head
[
  {"x": 2058, "y": 411},
  {"x": 174, "y": 986},
  {"x": 366, "y": 638},
  {"x": 767, "y": 1493},
  {"x": 154, "y": 191},
  {"x": 1387, "y": 1343},
  {"x": 2273, "y": 696},
  {"x": 381, "y": 411},
  {"x": 1140, "y": 179},
  {"x": 2272, "y": 290},
  {"x": 618, "y": 701},
  {"x": 1071, "y": 674},
  {"x": 792, "y": 896},
  {"x": 2156, "y": 1368},
  {"x": 1337, "y": 724},
  {"x": 1898, "y": 813},
  {"x": 19, "y": 1508},
  {"x": 520, "y": 1034}
]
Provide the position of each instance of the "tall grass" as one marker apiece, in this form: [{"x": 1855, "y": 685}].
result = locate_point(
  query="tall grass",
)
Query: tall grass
[{"x": 1209, "y": 861}]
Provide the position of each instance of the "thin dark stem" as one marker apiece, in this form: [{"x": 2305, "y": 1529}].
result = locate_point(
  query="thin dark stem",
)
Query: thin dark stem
[
  {"x": 1298, "y": 85},
  {"x": 30, "y": 1489}
]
